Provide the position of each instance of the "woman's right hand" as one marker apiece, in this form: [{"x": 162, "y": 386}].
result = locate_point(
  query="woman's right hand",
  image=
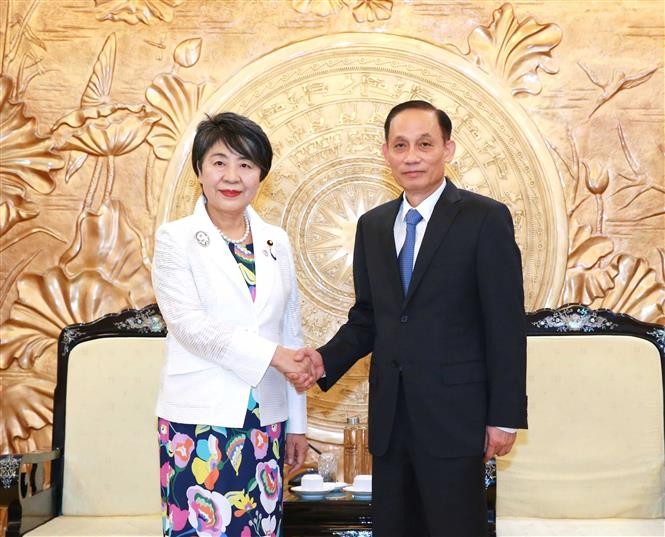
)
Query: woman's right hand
[{"x": 293, "y": 364}]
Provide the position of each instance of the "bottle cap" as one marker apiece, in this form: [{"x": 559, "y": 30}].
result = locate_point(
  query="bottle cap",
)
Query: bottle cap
[{"x": 352, "y": 420}]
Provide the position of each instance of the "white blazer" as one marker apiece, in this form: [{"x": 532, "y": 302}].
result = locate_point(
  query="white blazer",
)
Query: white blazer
[{"x": 220, "y": 343}]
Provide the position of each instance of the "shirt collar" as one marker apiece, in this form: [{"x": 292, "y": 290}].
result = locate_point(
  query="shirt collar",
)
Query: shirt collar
[{"x": 426, "y": 207}]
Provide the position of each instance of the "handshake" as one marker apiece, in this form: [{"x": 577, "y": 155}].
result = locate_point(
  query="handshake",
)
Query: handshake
[{"x": 302, "y": 367}]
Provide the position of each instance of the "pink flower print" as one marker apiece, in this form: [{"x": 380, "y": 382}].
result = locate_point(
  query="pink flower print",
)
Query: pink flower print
[
  {"x": 165, "y": 474},
  {"x": 177, "y": 517},
  {"x": 246, "y": 532},
  {"x": 274, "y": 430},
  {"x": 269, "y": 479},
  {"x": 206, "y": 463},
  {"x": 163, "y": 428},
  {"x": 209, "y": 512},
  {"x": 260, "y": 443},
  {"x": 183, "y": 446}
]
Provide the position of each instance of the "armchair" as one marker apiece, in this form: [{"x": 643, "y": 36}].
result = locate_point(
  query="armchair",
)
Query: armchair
[
  {"x": 104, "y": 462},
  {"x": 592, "y": 461}
]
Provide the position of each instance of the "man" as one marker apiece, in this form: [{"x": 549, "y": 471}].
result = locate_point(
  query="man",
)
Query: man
[{"x": 439, "y": 304}]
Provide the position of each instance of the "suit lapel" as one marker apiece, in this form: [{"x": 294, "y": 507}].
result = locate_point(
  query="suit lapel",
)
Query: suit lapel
[
  {"x": 265, "y": 265},
  {"x": 443, "y": 215},
  {"x": 386, "y": 248},
  {"x": 217, "y": 251}
]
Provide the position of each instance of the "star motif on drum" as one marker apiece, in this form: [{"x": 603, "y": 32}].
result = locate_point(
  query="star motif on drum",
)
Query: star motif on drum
[{"x": 332, "y": 229}]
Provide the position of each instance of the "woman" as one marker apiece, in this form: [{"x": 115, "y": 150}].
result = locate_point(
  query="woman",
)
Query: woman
[{"x": 225, "y": 284}]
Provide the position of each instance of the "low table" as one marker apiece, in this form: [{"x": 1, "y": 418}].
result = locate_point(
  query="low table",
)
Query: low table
[{"x": 341, "y": 516}]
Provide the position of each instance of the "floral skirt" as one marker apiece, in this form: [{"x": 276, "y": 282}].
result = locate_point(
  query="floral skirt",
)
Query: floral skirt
[{"x": 221, "y": 482}]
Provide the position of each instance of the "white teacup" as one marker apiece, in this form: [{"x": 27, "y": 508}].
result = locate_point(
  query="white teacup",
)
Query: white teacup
[
  {"x": 311, "y": 482},
  {"x": 363, "y": 483}
]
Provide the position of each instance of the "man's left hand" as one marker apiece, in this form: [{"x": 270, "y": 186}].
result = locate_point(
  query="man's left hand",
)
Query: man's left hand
[{"x": 497, "y": 442}]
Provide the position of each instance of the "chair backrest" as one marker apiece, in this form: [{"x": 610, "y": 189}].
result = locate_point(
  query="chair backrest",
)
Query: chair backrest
[
  {"x": 104, "y": 419},
  {"x": 595, "y": 444}
]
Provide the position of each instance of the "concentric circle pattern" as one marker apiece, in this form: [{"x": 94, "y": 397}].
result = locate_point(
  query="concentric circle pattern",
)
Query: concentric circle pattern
[{"x": 323, "y": 103}]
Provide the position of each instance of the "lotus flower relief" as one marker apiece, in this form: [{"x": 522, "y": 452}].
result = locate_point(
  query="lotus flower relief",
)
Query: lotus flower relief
[
  {"x": 101, "y": 128},
  {"x": 107, "y": 130}
]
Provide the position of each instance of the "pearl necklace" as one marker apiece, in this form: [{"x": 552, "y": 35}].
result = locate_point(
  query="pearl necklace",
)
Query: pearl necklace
[{"x": 237, "y": 243}]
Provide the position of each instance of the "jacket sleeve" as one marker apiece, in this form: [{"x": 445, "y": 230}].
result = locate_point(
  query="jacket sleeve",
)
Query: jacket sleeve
[
  {"x": 292, "y": 337},
  {"x": 501, "y": 293},
  {"x": 355, "y": 338},
  {"x": 245, "y": 353}
]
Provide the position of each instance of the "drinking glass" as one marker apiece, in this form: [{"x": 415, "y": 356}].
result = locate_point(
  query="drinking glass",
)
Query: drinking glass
[{"x": 328, "y": 466}]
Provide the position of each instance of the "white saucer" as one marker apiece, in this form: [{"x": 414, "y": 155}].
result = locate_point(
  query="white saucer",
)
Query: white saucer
[
  {"x": 310, "y": 494},
  {"x": 359, "y": 494}
]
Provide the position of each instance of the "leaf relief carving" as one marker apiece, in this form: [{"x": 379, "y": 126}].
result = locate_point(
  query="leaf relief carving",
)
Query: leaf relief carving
[
  {"x": 104, "y": 270},
  {"x": 49, "y": 302},
  {"x": 177, "y": 101},
  {"x": 27, "y": 406},
  {"x": 372, "y": 10},
  {"x": 514, "y": 50},
  {"x": 628, "y": 284},
  {"x": 26, "y": 159},
  {"x": 135, "y": 11},
  {"x": 15, "y": 208},
  {"x": 107, "y": 242}
]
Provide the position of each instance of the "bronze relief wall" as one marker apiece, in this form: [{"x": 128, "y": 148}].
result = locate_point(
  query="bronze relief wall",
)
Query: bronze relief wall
[{"x": 557, "y": 112}]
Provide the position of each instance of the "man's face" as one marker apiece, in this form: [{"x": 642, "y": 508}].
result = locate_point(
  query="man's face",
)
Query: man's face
[{"x": 417, "y": 153}]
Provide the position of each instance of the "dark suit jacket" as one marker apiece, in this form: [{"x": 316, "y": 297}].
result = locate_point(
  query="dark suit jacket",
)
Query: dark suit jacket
[{"x": 457, "y": 339}]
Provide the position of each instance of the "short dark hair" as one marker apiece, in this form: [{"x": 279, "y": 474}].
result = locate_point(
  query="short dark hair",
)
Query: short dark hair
[
  {"x": 239, "y": 133},
  {"x": 444, "y": 121}
]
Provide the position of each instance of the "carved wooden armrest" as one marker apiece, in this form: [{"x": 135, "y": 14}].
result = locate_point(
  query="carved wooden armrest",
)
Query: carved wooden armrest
[{"x": 26, "y": 489}]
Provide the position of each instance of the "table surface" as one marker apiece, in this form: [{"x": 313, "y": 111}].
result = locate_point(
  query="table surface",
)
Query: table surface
[{"x": 338, "y": 514}]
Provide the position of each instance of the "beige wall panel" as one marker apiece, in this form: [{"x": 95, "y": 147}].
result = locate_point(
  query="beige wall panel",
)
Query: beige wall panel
[{"x": 557, "y": 107}]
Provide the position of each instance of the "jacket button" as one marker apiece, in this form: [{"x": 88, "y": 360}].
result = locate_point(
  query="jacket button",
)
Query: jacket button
[{"x": 404, "y": 319}]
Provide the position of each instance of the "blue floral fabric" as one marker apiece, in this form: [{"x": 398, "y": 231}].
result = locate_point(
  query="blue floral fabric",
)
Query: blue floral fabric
[{"x": 219, "y": 481}]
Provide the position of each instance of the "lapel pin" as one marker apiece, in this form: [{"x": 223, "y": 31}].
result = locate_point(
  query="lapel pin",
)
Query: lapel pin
[
  {"x": 202, "y": 238},
  {"x": 270, "y": 245}
]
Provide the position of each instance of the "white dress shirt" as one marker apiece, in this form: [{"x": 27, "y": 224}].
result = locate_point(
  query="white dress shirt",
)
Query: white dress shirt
[{"x": 425, "y": 208}]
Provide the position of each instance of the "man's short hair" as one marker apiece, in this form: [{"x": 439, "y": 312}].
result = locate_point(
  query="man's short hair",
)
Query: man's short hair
[
  {"x": 239, "y": 133},
  {"x": 443, "y": 119}
]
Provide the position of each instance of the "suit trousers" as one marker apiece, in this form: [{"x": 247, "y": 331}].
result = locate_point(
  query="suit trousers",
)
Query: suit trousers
[{"x": 416, "y": 494}]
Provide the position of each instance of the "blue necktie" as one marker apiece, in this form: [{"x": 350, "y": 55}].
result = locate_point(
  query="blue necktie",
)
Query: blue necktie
[{"x": 405, "y": 257}]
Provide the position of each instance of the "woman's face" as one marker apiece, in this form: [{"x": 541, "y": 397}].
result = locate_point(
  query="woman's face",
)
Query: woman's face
[{"x": 229, "y": 181}]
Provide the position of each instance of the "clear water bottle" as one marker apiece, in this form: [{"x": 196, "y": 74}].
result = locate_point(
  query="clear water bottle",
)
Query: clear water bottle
[{"x": 351, "y": 449}]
